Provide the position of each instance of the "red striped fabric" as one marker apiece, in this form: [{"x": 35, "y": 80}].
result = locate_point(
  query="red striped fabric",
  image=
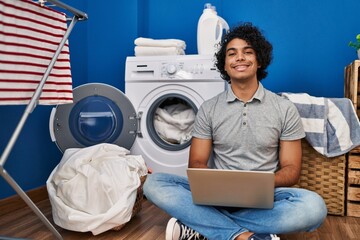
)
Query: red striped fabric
[{"x": 29, "y": 37}]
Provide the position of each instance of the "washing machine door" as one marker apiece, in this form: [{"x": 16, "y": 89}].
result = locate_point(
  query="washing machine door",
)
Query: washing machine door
[{"x": 100, "y": 113}]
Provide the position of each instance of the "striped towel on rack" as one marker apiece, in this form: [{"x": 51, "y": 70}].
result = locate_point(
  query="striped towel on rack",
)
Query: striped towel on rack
[
  {"x": 29, "y": 37},
  {"x": 331, "y": 125}
]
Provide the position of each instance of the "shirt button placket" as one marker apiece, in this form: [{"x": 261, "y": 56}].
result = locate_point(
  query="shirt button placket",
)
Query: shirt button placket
[{"x": 244, "y": 115}]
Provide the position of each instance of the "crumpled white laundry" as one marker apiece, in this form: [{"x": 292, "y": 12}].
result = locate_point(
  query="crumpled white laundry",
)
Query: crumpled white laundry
[
  {"x": 174, "y": 123},
  {"x": 94, "y": 188}
]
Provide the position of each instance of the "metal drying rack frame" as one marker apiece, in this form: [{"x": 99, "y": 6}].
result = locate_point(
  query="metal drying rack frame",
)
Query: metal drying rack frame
[{"x": 77, "y": 16}]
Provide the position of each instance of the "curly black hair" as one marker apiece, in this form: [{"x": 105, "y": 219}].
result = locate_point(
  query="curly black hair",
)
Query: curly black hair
[{"x": 253, "y": 36}]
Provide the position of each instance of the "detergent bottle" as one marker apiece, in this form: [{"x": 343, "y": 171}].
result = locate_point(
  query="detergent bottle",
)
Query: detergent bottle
[{"x": 210, "y": 30}]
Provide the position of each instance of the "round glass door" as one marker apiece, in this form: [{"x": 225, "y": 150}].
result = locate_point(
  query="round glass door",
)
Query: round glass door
[
  {"x": 95, "y": 119},
  {"x": 100, "y": 114}
]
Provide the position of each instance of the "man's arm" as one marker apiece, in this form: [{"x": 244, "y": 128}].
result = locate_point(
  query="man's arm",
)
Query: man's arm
[
  {"x": 290, "y": 163},
  {"x": 200, "y": 151}
]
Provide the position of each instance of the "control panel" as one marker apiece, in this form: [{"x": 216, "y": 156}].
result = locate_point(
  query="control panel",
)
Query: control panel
[
  {"x": 171, "y": 67},
  {"x": 177, "y": 69}
]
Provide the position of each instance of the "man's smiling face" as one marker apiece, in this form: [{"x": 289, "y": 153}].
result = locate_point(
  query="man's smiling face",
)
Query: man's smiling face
[{"x": 240, "y": 62}]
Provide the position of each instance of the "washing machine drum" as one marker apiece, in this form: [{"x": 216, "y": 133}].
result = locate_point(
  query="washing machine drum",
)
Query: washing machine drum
[{"x": 100, "y": 113}]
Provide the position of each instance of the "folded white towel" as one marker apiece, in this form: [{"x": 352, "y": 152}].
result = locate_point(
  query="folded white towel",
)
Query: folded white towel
[
  {"x": 158, "y": 51},
  {"x": 149, "y": 42}
]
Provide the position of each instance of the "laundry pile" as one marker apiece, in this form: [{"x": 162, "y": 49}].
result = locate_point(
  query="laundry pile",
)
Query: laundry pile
[
  {"x": 159, "y": 47},
  {"x": 95, "y": 188}
]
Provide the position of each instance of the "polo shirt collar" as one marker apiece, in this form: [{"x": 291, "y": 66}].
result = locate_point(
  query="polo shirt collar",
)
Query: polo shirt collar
[{"x": 259, "y": 94}]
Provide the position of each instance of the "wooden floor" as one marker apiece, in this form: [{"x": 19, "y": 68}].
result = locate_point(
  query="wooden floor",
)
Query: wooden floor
[{"x": 150, "y": 224}]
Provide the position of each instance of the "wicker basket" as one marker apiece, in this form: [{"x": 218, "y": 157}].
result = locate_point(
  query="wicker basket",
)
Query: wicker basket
[
  {"x": 326, "y": 176},
  {"x": 138, "y": 202}
]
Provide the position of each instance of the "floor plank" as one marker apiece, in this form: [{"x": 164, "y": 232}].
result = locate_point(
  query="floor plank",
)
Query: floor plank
[{"x": 150, "y": 224}]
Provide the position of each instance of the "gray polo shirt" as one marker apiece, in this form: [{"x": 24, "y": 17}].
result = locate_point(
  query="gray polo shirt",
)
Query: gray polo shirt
[{"x": 246, "y": 135}]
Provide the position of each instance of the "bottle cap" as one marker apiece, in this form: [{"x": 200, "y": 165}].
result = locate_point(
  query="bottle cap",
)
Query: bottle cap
[{"x": 207, "y": 6}]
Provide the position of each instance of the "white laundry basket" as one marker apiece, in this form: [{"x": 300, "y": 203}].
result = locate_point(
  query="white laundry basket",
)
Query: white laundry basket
[{"x": 97, "y": 188}]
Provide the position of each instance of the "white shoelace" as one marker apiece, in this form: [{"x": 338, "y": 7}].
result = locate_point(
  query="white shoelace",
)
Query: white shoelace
[
  {"x": 190, "y": 234},
  {"x": 274, "y": 237}
]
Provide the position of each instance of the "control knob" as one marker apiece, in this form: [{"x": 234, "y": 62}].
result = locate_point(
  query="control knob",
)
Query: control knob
[{"x": 171, "y": 69}]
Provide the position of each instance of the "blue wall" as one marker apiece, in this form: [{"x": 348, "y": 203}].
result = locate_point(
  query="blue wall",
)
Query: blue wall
[{"x": 310, "y": 52}]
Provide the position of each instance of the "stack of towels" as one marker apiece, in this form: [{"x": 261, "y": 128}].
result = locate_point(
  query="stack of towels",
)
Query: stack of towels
[{"x": 159, "y": 47}]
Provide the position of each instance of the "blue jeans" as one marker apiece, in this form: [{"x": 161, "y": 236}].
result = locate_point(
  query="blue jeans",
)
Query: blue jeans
[{"x": 294, "y": 210}]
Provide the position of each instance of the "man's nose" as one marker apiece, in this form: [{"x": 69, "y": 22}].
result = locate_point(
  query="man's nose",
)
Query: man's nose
[{"x": 240, "y": 57}]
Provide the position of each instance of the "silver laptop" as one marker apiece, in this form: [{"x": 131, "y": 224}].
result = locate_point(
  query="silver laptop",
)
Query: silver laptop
[{"x": 232, "y": 188}]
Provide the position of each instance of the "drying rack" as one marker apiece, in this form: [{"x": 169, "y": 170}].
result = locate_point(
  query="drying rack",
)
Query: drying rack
[{"x": 77, "y": 16}]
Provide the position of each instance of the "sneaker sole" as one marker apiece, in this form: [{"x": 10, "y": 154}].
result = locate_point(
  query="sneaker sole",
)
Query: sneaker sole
[{"x": 170, "y": 229}]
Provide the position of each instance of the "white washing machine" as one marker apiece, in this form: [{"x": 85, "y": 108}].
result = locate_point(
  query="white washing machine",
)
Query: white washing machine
[
  {"x": 101, "y": 113},
  {"x": 153, "y": 82}
]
